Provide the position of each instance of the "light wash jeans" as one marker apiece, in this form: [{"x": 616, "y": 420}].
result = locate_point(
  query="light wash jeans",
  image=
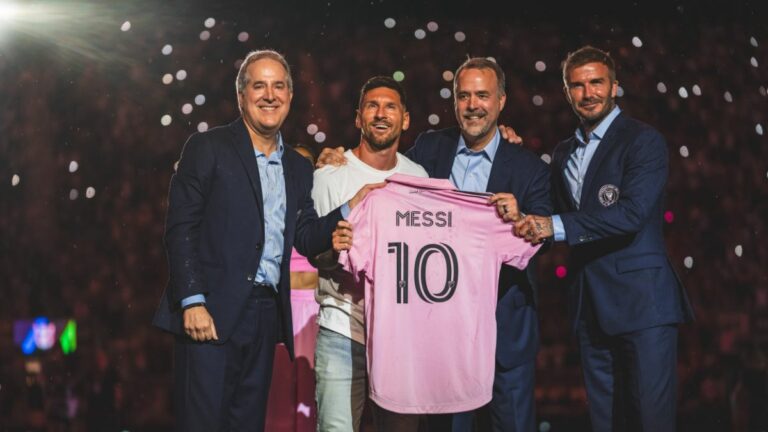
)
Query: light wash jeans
[{"x": 341, "y": 382}]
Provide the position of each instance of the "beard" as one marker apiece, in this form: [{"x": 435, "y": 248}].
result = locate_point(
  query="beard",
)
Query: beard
[
  {"x": 593, "y": 118},
  {"x": 379, "y": 143}
]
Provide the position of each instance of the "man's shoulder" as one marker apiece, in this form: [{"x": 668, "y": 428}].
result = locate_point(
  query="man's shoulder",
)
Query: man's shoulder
[
  {"x": 407, "y": 166},
  {"x": 451, "y": 133}
]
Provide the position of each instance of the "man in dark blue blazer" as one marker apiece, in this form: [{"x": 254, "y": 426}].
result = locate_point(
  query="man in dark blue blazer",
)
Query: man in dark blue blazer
[
  {"x": 625, "y": 298},
  {"x": 475, "y": 157},
  {"x": 238, "y": 202}
]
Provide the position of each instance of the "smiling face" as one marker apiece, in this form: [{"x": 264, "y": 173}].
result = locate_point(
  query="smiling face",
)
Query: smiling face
[
  {"x": 381, "y": 118},
  {"x": 591, "y": 92},
  {"x": 478, "y": 102},
  {"x": 266, "y": 97}
]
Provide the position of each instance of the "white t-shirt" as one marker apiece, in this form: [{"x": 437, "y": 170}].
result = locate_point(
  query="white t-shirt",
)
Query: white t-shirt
[{"x": 339, "y": 296}]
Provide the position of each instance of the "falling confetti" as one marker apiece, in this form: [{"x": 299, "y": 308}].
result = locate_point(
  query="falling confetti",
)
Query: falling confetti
[
  {"x": 181, "y": 75},
  {"x": 126, "y": 26},
  {"x": 209, "y": 23},
  {"x": 320, "y": 137},
  {"x": 696, "y": 90},
  {"x": 90, "y": 192},
  {"x": 738, "y": 250},
  {"x": 538, "y": 100},
  {"x": 661, "y": 87},
  {"x": 167, "y": 49},
  {"x": 445, "y": 93},
  {"x": 15, "y": 180},
  {"x": 684, "y": 151},
  {"x": 165, "y": 120},
  {"x": 759, "y": 129},
  {"x": 688, "y": 262},
  {"x": 73, "y": 165},
  {"x": 312, "y": 129},
  {"x": 202, "y": 127},
  {"x": 199, "y": 99},
  {"x": 420, "y": 34},
  {"x": 243, "y": 36},
  {"x": 540, "y": 66},
  {"x": 432, "y": 26},
  {"x": 683, "y": 92},
  {"x": 73, "y": 194},
  {"x": 186, "y": 108},
  {"x": 447, "y": 75},
  {"x": 637, "y": 42},
  {"x": 433, "y": 119},
  {"x": 167, "y": 79},
  {"x": 546, "y": 158},
  {"x": 728, "y": 97},
  {"x": 389, "y": 23},
  {"x": 619, "y": 91},
  {"x": 460, "y": 36},
  {"x": 398, "y": 76}
]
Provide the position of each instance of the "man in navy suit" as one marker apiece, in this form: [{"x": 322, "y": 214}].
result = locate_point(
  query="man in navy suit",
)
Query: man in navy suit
[
  {"x": 238, "y": 202},
  {"x": 476, "y": 158},
  {"x": 625, "y": 298}
]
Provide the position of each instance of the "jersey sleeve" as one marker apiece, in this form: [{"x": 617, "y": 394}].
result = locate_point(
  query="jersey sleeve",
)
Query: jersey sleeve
[
  {"x": 357, "y": 260},
  {"x": 512, "y": 250}
]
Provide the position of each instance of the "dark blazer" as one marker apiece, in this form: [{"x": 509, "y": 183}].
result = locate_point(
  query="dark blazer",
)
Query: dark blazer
[
  {"x": 617, "y": 238},
  {"x": 214, "y": 232},
  {"x": 522, "y": 173}
]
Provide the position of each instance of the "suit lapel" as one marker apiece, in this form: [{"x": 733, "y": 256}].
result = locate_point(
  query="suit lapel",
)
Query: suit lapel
[
  {"x": 561, "y": 159},
  {"x": 602, "y": 150},
  {"x": 500, "y": 169},
  {"x": 446, "y": 154},
  {"x": 244, "y": 148}
]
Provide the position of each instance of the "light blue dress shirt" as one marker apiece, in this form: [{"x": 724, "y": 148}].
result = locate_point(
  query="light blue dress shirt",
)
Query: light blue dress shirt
[
  {"x": 578, "y": 163},
  {"x": 472, "y": 169},
  {"x": 273, "y": 193}
]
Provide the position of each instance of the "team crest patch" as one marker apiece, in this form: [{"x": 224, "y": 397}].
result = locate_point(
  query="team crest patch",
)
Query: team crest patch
[{"x": 608, "y": 195}]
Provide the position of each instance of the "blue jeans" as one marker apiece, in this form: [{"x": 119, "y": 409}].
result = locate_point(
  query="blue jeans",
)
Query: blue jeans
[{"x": 341, "y": 379}]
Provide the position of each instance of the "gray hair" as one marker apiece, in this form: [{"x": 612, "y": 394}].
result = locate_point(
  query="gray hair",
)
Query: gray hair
[
  {"x": 242, "y": 76},
  {"x": 481, "y": 63}
]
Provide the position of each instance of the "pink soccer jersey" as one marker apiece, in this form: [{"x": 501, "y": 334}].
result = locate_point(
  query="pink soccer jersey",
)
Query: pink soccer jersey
[{"x": 430, "y": 256}]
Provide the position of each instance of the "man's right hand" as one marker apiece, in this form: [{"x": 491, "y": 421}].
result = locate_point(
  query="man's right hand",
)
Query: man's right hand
[
  {"x": 331, "y": 156},
  {"x": 198, "y": 324}
]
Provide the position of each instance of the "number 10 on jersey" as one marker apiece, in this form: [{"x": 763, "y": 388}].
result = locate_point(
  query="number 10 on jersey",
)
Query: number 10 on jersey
[{"x": 400, "y": 249}]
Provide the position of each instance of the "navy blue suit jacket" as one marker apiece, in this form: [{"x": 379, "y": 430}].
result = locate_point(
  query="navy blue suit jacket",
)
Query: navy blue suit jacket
[
  {"x": 522, "y": 173},
  {"x": 214, "y": 232},
  {"x": 617, "y": 238}
]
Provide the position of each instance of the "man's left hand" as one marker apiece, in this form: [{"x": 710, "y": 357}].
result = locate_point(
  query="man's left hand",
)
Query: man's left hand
[
  {"x": 342, "y": 236},
  {"x": 534, "y": 229},
  {"x": 506, "y": 206}
]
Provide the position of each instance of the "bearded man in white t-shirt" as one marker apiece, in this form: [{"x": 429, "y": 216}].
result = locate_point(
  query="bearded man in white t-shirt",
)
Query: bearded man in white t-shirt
[{"x": 340, "y": 352}]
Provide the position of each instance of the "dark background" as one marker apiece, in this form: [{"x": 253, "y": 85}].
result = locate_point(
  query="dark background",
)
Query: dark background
[{"x": 74, "y": 87}]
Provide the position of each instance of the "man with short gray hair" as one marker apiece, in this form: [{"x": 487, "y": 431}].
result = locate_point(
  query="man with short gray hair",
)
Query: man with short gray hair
[{"x": 238, "y": 202}]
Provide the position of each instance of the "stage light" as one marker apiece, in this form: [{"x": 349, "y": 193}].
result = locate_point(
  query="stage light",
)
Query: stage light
[{"x": 9, "y": 12}]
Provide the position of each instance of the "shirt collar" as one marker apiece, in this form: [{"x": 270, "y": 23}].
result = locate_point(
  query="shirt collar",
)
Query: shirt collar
[
  {"x": 489, "y": 151},
  {"x": 277, "y": 154},
  {"x": 599, "y": 132}
]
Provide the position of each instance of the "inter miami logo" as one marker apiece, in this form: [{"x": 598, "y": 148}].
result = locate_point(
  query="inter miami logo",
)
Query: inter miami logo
[{"x": 608, "y": 195}]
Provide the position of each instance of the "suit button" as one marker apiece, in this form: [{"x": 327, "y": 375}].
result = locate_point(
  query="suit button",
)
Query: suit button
[{"x": 250, "y": 277}]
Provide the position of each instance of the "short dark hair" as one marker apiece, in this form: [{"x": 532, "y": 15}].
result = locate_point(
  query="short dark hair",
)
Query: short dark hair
[
  {"x": 481, "y": 63},
  {"x": 584, "y": 55},
  {"x": 382, "y": 81}
]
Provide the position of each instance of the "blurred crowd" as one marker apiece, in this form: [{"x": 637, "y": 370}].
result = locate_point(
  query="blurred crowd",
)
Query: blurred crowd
[{"x": 100, "y": 259}]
